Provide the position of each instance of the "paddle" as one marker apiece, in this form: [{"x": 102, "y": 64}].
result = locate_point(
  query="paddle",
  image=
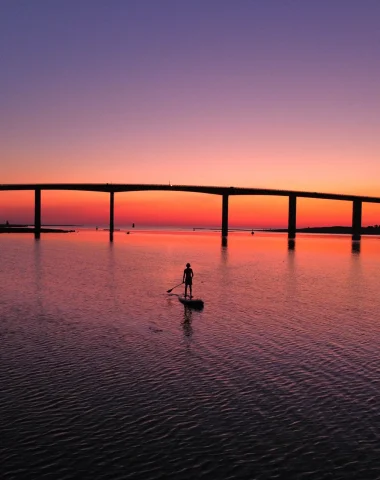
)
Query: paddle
[{"x": 168, "y": 291}]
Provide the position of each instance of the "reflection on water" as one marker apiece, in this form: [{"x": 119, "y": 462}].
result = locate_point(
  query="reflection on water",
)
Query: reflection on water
[
  {"x": 186, "y": 324},
  {"x": 291, "y": 244},
  {"x": 355, "y": 247},
  {"x": 224, "y": 254},
  {"x": 105, "y": 375}
]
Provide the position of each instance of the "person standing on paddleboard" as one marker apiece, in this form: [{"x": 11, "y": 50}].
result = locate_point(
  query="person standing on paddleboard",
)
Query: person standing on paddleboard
[{"x": 188, "y": 279}]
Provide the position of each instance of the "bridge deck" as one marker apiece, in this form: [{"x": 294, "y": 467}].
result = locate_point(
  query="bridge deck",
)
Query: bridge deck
[{"x": 213, "y": 190}]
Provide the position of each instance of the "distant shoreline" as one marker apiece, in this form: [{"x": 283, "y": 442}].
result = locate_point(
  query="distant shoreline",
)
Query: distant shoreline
[
  {"x": 372, "y": 230},
  {"x": 340, "y": 230},
  {"x": 27, "y": 229},
  {"x": 337, "y": 230}
]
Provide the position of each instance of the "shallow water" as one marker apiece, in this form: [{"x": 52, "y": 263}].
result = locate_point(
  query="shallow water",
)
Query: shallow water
[{"x": 105, "y": 375}]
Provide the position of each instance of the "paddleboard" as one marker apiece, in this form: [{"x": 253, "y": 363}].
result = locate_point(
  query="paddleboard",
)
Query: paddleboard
[{"x": 191, "y": 302}]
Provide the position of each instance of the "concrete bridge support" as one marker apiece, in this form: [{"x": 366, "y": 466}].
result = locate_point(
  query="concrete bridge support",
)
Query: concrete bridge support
[
  {"x": 112, "y": 214},
  {"x": 225, "y": 216},
  {"x": 292, "y": 217},
  {"x": 356, "y": 219},
  {"x": 37, "y": 213}
]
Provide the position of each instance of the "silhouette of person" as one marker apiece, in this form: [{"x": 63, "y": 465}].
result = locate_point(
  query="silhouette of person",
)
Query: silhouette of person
[{"x": 188, "y": 279}]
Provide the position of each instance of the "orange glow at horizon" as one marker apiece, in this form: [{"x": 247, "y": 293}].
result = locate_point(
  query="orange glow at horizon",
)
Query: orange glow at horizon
[{"x": 177, "y": 209}]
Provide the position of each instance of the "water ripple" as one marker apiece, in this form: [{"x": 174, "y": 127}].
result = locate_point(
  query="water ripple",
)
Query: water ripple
[{"x": 273, "y": 379}]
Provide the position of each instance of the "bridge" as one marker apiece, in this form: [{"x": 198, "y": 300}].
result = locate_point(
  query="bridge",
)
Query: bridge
[{"x": 225, "y": 192}]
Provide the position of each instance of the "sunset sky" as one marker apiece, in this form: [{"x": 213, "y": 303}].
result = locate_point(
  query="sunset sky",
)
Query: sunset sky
[{"x": 257, "y": 93}]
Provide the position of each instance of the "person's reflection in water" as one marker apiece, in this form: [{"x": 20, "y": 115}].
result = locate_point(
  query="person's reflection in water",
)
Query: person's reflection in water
[{"x": 186, "y": 323}]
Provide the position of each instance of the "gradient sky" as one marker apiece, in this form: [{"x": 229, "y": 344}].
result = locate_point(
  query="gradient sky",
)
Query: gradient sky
[{"x": 258, "y": 93}]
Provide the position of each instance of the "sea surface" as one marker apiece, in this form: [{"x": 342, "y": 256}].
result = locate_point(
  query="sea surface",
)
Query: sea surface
[{"x": 103, "y": 375}]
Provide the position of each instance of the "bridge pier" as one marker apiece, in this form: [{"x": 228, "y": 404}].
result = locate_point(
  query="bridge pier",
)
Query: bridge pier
[
  {"x": 37, "y": 213},
  {"x": 292, "y": 217},
  {"x": 356, "y": 219},
  {"x": 112, "y": 212},
  {"x": 225, "y": 216}
]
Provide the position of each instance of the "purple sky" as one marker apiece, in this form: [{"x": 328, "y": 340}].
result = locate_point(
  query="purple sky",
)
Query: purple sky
[{"x": 266, "y": 93}]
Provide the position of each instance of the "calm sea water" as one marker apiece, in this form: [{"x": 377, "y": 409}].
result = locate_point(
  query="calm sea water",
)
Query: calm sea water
[{"x": 105, "y": 376}]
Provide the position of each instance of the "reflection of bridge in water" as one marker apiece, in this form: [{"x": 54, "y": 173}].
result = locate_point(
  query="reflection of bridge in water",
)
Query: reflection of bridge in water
[{"x": 224, "y": 192}]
